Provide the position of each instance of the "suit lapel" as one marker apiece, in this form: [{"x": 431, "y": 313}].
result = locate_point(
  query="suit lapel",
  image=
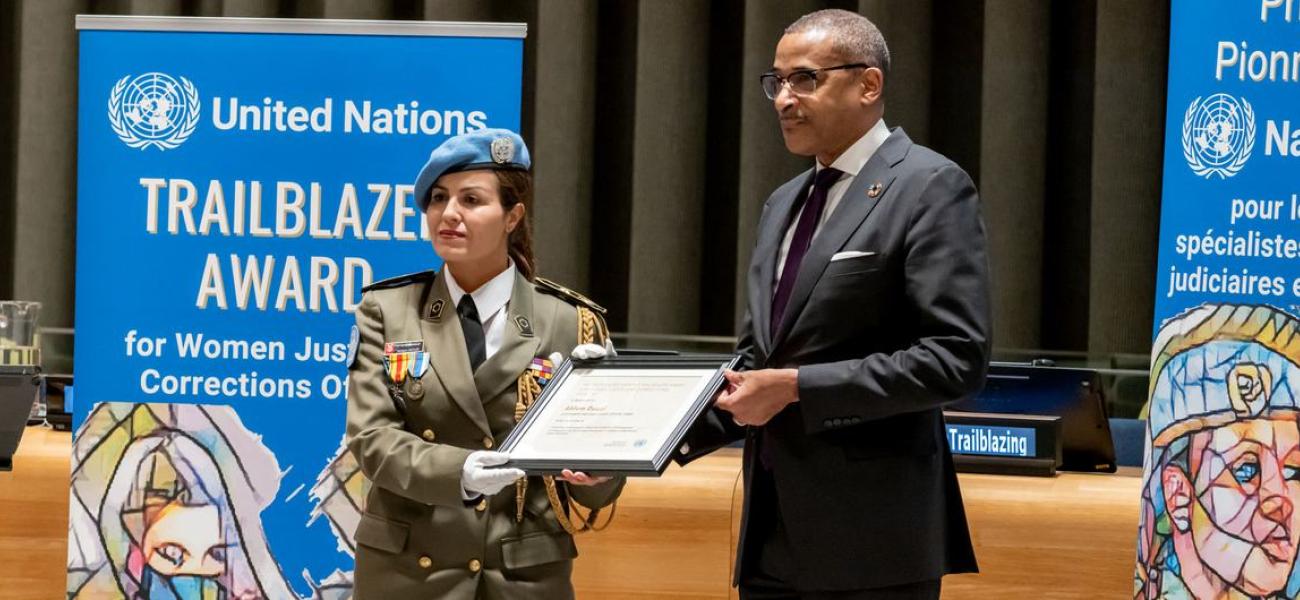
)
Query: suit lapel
[
  {"x": 447, "y": 355},
  {"x": 519, "y": 344},
  {"x": 765, "y": 256},
  {"x": 852, "y": 210}
]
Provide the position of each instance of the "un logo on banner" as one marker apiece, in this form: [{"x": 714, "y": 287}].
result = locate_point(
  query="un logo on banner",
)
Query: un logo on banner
[
  {"x": 153, "y": 110},
  {"x": 1218, "y": 135}
]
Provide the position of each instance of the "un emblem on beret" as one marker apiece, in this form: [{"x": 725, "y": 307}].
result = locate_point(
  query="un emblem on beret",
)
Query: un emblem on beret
[
  {"x": 503, "y": 149},
  {"x": 153, "y": 109}
]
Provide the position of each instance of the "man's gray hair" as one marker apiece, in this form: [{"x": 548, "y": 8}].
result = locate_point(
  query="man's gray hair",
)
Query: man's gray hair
[{"x": 854, "y": 37}]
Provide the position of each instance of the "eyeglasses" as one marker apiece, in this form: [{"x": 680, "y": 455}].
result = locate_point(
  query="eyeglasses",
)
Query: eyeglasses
[{"x": 801, "y": 82}]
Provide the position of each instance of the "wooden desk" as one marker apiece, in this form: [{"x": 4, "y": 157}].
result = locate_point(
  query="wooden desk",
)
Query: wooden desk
[
  {"x": 34, "y": 517},
  {"x": 672, "y": 537},
  {"x": 1067, "y": 537},
  {"x": 1071, "y": 536}
]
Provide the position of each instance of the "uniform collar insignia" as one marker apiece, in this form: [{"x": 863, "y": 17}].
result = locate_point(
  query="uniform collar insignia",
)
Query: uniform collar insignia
[
  {"x": 435, "y": 310},
  {"x": 525, "y": 327}
]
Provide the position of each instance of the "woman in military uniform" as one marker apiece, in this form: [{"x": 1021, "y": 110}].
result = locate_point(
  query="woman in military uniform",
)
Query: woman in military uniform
[{"x": 445, "y": 365}]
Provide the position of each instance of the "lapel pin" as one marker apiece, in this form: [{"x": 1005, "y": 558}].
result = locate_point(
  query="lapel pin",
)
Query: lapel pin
[
  {"x": 874, "y": 190},
  {"x": 435, "y": 309}
]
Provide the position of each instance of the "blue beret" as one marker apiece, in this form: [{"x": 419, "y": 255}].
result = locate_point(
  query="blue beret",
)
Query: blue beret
[{"x": 481, "y": 149}]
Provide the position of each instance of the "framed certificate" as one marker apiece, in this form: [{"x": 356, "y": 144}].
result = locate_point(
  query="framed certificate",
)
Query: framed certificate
[{"x": 615, "y": 416}]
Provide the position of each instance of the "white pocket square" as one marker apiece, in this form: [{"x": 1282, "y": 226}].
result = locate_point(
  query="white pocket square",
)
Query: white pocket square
[{"x": 847, "y": 254}]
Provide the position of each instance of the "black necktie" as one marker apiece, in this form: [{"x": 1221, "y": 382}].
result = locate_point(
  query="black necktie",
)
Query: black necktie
[
  {"x": 800, "y": 241},
  {"x": 473, "y": 330}
]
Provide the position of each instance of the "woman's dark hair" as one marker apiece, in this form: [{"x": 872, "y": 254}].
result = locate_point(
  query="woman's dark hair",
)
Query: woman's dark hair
[{"x": 517, "y": 188}]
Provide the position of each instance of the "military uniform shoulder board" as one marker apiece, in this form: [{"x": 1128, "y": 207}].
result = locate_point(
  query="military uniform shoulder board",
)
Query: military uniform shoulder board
[
  {"x": 550, "y": 287},
  {"x": 401, "y": 280}
]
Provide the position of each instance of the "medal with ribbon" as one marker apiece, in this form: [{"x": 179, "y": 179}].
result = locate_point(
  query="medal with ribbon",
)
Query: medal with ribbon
[
  {"x": 402, "y": 358},
  {"x": 418, "y": 365},
  {"x": 395, "y": 365}
]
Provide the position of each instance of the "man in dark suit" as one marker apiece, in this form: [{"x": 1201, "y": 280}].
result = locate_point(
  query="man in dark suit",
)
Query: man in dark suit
[{"x": 868, "y": 311}]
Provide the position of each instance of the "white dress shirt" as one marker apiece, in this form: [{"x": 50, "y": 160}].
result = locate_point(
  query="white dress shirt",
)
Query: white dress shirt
[
  {"x": 850, "y": 162},
  {"x": 491, "y": 300}
]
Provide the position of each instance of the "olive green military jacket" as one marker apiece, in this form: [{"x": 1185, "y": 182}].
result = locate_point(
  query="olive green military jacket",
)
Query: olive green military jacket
[{"x": 417, "y": 537}]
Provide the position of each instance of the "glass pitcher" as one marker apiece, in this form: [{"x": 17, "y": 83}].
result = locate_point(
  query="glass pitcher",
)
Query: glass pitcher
[{"x": 18, "y": 321}]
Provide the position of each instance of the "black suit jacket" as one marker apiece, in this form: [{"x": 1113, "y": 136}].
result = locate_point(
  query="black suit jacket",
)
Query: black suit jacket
[{"x": 882, "y": 341}]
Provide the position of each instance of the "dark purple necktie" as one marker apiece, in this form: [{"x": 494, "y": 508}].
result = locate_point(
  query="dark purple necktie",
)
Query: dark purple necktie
[{"x": 803, "y": 234}]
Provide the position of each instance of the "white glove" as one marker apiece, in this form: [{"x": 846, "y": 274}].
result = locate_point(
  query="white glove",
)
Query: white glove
[
  {"x": 593, "y": 351},
  {"x": 478, "y": 476}
]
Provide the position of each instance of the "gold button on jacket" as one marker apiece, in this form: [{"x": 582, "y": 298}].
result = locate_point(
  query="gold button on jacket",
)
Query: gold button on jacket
[{"x": 415, "y": 515}]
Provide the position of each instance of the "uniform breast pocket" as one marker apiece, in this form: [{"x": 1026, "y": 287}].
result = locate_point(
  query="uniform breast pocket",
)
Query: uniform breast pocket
[
  {"x": 537, "y": 549},
  {"x": 382, "y": 534},
  {"x": 845, "y": 264}
]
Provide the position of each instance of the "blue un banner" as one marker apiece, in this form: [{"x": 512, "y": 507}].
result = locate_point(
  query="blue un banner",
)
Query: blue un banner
[
  {"x": 1222, "y": 476},
  {"x": 237, "y": 188}
]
